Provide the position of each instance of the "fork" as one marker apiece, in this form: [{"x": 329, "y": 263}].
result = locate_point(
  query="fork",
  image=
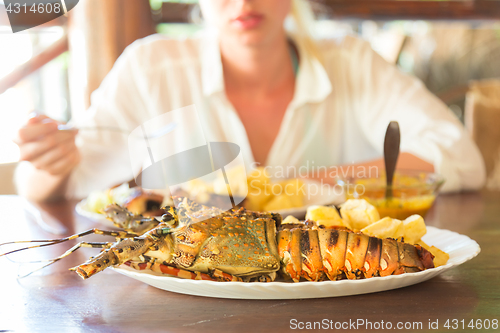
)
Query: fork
[{"x": 161, "y": 132}]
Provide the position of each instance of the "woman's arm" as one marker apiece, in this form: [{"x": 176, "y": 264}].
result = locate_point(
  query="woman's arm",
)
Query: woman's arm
[
  {"x": 406, "y": 161},
  {"x": 98, "y": 159},
  {"x": 373, "y": 168},
  {"x": 429, "y": 130}
]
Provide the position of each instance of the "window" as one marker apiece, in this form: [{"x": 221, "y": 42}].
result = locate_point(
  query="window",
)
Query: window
[{"x": 44, "y": 91}]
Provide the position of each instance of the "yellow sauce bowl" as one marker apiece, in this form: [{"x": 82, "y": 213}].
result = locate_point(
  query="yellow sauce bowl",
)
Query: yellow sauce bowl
[{"x": 413, "y": 192}]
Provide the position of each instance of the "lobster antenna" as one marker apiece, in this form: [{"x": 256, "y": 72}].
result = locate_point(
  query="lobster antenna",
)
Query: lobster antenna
[
  {"x": 116, "y": 234},
  {"x": 65, "y": 254}
]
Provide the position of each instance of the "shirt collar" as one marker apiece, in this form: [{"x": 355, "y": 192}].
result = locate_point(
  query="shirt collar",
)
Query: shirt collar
[
  {"x": 312, "y": 84},
  {"x": 211, "y": 64}
]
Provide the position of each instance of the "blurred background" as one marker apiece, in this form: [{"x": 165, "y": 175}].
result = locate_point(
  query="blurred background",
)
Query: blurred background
[{"x": 452, "y": 46}]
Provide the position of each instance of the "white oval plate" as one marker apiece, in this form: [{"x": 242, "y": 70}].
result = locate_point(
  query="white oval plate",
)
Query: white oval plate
[
  {"x": 83, "y": 210},
  {"x": 460, "y": 248}
]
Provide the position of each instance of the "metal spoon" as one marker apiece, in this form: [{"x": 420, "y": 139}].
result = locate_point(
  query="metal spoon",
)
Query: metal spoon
[{"x": 391, "y": 154}]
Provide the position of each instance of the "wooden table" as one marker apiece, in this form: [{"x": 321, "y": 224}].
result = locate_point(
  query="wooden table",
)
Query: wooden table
[{"x": 55, "y": 299}]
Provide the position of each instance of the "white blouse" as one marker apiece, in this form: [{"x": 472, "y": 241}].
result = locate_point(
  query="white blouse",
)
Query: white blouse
[{"x": 338, "y": 115}]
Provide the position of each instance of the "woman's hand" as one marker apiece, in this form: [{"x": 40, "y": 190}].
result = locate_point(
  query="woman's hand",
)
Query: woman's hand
[{"x": 47, "y": 148}]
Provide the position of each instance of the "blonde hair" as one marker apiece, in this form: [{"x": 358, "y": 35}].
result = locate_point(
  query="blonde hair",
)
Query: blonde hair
[{"x": 301, "y": 22}]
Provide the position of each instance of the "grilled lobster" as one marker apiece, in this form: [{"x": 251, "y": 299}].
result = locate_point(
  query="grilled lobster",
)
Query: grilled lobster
[
  {"x": 199, "y": 242},
  {"x": 317, "y": 253}
]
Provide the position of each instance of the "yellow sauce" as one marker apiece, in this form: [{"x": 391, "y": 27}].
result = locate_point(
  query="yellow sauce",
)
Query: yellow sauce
[
  {"x": 411, "y": 195},
  {"x": 402, "y": 208}
]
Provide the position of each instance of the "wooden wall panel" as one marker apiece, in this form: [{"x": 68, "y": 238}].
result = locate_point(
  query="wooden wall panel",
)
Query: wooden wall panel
[
  {"x": 379, "y": 10},
  {"x": 99, "y": 31},
  {"x": 413, "y": 9}
]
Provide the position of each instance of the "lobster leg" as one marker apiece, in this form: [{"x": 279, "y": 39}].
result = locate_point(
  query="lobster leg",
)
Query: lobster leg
[
  {"x": 138, "y": 224},
  {"x": 155, "y": 266},
  {"x": 116, "y": 234}
]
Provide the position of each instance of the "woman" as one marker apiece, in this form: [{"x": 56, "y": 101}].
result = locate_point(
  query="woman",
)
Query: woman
[{"x": 331, "y": 107}]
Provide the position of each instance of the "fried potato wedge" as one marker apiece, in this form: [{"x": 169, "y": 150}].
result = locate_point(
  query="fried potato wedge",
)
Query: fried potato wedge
[
  {"x": 440, "y": 257},
  {"x": 414, "y": 229},
  {"x": 325, "y": 215},
  {"x": 359, "y": 213},
  {"x": 279, "y": 202},
  {"x": 385, "y": 228},
  {"x": 290, "y": 219}
]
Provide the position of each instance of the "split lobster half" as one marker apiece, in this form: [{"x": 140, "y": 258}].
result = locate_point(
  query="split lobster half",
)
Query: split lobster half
[{"x": 199, "y": 242}]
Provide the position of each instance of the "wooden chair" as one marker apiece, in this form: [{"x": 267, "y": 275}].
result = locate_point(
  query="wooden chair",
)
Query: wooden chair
[{"x": 482, "y": 119}]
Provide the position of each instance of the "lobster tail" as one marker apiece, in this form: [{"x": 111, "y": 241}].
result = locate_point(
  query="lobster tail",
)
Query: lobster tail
[
  {"x": 329, "y": 253},
  {"x": 389, "y": 258},
  {"x": 333, "y": 244},
  {"x": 357, "y": 246},
  {"x": 372, "y": 258}
]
